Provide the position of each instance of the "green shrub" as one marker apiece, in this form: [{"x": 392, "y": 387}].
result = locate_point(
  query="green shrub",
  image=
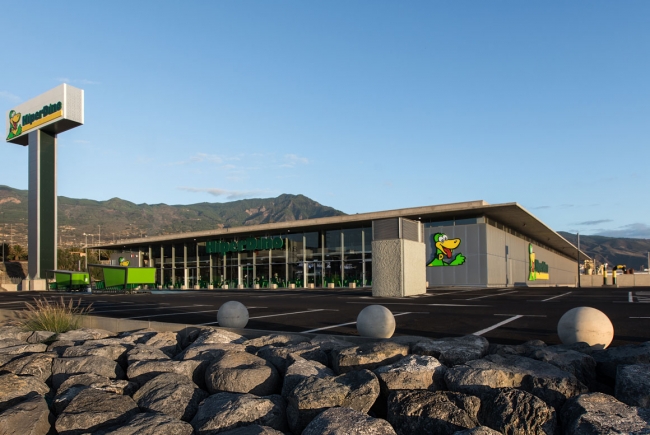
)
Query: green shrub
[{"x": 55, "y": 316}]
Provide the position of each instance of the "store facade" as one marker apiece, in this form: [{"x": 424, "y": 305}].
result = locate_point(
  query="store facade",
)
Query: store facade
[{"x": 466, "y": 244}]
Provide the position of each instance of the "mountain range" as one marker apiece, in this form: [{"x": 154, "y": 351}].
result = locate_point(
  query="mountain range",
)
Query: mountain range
[{"x": 119, "y": 219}]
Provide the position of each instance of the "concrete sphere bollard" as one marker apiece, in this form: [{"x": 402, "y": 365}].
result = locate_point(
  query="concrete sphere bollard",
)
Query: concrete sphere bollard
[
  {"x": 376, "y": 321},
  {"x": 586, "y": 324},
  {"x": 232, "y": 314}
]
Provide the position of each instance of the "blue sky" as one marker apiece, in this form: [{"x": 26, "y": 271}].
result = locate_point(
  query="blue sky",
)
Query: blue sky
[{"x": 362, "y": 106}]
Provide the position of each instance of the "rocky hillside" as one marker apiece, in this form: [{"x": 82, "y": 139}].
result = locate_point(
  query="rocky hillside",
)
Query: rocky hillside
[
  {"x": 123, "y": 219},
  {"x": 631, "y": 252}
]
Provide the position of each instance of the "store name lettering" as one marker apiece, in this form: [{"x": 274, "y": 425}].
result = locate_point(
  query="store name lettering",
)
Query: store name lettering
[
  {"x": 250, "y": 244},
  {"x": 45, "y": 111}
]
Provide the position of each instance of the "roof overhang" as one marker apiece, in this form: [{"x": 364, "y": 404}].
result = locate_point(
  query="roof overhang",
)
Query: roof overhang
[{"x": 511, "y": 215}]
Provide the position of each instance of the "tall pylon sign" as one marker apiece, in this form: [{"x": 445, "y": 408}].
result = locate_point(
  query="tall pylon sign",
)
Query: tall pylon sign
[{"x": 36, "y": 124}]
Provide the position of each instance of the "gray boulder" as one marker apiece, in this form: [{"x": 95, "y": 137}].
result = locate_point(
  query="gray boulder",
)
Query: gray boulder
[
  {"x": 218, "y": 336},
  {"x": 171, "y": 394},
  {"x": 167, "y": 342},
  {"x": 13, "y": 332},
  {"x": 31, "y": 417},
  {"x": 518, "y": 349},
  {"x": 113, "y": 352},
  {"x": 479, "y": 430},
  {"x": 208, "y": 351},
  {"x": 77, "y": 383},
  {"x": 63, "y": 368},
  {"x": 278, "y": 355},
  {"x": 544, "y": 380},
  {"x": 254, "y": 429},
  {"x": 142, "y": 372},
  {"x": 150, "y": 424},
  {"x": 579, "y": 364},
  {"x": 60, "y": 346},
  {"x": 300, "y": 369},
  {"x": 421, "y": 411},
  {"x": 597, "y": 413},
  {"x": 227, "y": 411},
  {"x": 241, "y": 372},
  {"x": 255, "y": 344},
  {"x": 455, "y": 350},
  {"x": 347, "y": 421},
  {"x": 367, "y": 356},
  {"x": 633, "y": 385},
  {"x": 40, "y": 336},
  {"x": 35, "y": 364},
  {"x": 609, "y": 359},
  {"x": 517, "y": 412},
  {"x": 18, "y": 388},
  {"x": 413, "y": 372},
  {"x": 92, "y": 410},
  {"x": 22, "y": 347},
  {"x": 142, "y": 352},
  {"x": 11, "y": 342},
  {"x": 357, "y": 390},
  {"x": 84, "y": 334}
]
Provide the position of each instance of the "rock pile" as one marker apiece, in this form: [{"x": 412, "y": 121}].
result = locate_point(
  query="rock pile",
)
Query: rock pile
[{"x": 215, "y": 381}]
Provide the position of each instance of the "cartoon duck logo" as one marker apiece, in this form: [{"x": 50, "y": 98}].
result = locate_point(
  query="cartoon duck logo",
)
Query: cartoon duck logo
[
  {"x": 444, "y": 251},
  {"x": 14, "y": 128},
  {"x": 123, "y": 261}
]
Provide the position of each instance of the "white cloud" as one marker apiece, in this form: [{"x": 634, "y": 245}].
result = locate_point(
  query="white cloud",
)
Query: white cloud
[
  {"x": 634, "y": 231},
  {"x": 291, "y": 160},
  {"x": 10, "y": 97},
  {"x": 77, "y": 81},
  {"x": 228, "y": 194}
]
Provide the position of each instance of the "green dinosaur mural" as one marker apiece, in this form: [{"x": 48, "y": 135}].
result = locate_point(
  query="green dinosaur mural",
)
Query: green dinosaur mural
[
  {"x": 14, "y": 128},
  {"x": 444, "y": 251}
]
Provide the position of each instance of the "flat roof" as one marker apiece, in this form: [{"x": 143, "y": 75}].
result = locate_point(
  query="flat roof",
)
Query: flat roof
[{"x": 511, "y": 215}]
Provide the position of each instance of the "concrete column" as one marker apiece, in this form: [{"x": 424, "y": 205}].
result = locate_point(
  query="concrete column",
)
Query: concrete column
[
  {"x": 140, "y": 260},
  {"x": 42, "y": 204},
  {"x": 162, "y": 264},
  {"x": 173, "y": 264},
  {"x": 398, "y": 268},
  {"x": 211, "y": 271},
  {"x": 186, "y": 274},
  {"x": 150, "y": 264}
]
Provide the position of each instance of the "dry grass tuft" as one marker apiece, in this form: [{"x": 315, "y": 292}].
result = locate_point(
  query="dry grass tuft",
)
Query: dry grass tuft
[{"x": 54, "y": 316}]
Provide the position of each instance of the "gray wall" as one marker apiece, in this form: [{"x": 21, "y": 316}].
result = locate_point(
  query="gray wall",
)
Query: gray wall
[
  {"x": 507, "y": 262},
  {"x": 474, "y": 271}
]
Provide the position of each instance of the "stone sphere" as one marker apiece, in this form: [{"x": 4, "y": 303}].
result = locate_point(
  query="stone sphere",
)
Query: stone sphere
[
  {"x": 232, "y": 314},
  {"x": 376, "y": 321},
  {"x": 586, "y": 324}
]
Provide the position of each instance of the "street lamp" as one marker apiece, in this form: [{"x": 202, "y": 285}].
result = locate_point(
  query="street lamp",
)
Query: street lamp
[{"x": 86, "y": 250}]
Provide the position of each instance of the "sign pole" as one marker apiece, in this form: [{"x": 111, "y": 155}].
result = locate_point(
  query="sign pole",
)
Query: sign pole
[{"x": 578, "y": 259}]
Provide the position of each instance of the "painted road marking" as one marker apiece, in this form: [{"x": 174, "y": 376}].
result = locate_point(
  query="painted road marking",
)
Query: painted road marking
[
  {"x": 10, "y": 303},
  {"x": 424, "y": 305},
  {"x": 171, "y": 314},
  {"x": 487, "y": 296},
  {"x": 629, "y": 297},
  {"x": 345, "y": 324},
  {"x": 151, "y": 308},
  {"x": 274, "y": 315},
  {"x": 555, "y": 297},
  {"x": 639, "y": 317},
  {"x": 483, "y": 331}
]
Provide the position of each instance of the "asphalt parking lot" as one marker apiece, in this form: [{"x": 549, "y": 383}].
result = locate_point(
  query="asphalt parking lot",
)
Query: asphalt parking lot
[{"x": 502, "y": 315}]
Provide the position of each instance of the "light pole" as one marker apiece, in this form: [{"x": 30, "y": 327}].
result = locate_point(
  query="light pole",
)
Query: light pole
[
  {"x": 99, "y": 241},
  {"x": 578, "y": 232},
  {"x": 86, "y": 250}
]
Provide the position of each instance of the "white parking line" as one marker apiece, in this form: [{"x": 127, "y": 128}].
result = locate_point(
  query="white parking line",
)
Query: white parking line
[
  {"x": 422, "y": 305},
  {"x": 12, "y": 303},
  {"x": 287, "y": 314},
  {"x": 453, "y": 292},
  {"x": 555, "y": 297},
  {"x": 171, "y": 314},
  {"x": 345, "y": 324},
  {"x": 629, "y": 297},
  {"x": 487, "y": 296},
  {"x": 483, "y": 331},
  {"x": 150, "y": 308},
  {"x": 639, "y": 317},
  {"x": 524, "y": 315}
]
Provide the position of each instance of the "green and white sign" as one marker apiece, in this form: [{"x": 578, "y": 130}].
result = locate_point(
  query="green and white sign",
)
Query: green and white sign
[
  {"x": 250, "y": 244},
  {"x": 54, "y": 111}
]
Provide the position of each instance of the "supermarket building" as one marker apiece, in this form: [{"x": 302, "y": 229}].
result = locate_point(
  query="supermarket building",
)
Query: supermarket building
[{"x": 462, "y": 244}]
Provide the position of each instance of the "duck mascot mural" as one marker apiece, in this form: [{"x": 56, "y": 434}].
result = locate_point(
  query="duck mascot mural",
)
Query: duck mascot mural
[
  {"x": 14, "y": 128},
  {"x": 444, "y": 255}
]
